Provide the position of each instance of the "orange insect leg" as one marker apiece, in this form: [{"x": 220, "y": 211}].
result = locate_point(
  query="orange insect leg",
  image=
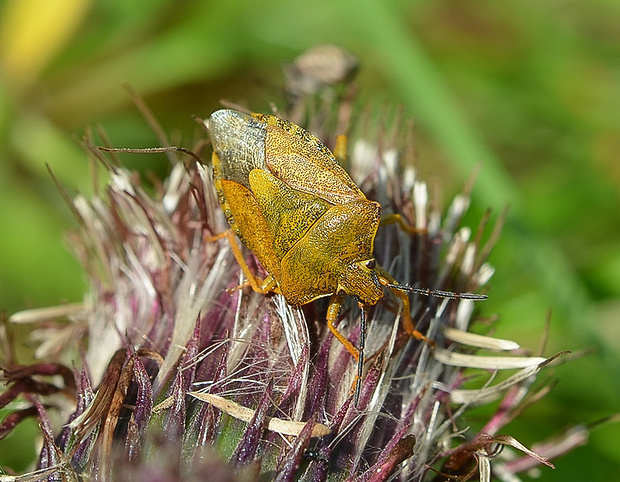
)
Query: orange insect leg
[
  {"x": 406, "y": 321},
  {"x": 261, "y": 286},
  {"x": 398, "y": 219},
  {"x": 332, "y": 315}
]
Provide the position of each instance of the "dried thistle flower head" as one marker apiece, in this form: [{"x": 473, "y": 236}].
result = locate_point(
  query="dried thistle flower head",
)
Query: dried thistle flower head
[{"x": 187, "y": 374}]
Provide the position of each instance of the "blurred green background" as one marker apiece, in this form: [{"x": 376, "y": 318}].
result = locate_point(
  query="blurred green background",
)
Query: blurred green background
[{"x": 528, "y": 90}]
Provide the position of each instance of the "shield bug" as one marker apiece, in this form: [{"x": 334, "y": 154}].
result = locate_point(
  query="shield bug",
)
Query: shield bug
[{"x": 312, "y": 229}]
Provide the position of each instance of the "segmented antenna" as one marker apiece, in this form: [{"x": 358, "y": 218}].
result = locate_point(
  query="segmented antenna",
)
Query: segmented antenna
[{"x": 440, "y": 293}]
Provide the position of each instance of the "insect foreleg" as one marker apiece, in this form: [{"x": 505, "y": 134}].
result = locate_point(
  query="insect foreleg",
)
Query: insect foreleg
[
  {"x": 406, "y": 321},
  {"x": 332, "y": 315}
]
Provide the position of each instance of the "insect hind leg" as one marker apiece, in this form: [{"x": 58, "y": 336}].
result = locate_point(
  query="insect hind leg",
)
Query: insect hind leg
[
  {"x": 259, "y": 285},
  {"x": 340, "y": 149},
  {"x": 396, "y": 218}
]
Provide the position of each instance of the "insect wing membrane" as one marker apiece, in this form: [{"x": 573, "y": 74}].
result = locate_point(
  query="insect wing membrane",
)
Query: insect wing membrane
[{"x": 239, "y": 141}]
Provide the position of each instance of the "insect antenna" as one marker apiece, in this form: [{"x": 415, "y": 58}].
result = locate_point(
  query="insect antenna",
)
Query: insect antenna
[
  {"x": 440, "y": 293},
  {"x": 360, "y": 360},
  {"x": 152, "y": 150}
]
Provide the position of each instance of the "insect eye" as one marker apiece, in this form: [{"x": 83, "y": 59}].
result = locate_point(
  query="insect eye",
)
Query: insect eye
[{"x": 371, "y": 264}]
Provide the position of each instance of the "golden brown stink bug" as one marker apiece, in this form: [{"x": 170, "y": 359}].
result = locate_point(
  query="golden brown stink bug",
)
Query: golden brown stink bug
[{"x": 312, "y": 229}]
